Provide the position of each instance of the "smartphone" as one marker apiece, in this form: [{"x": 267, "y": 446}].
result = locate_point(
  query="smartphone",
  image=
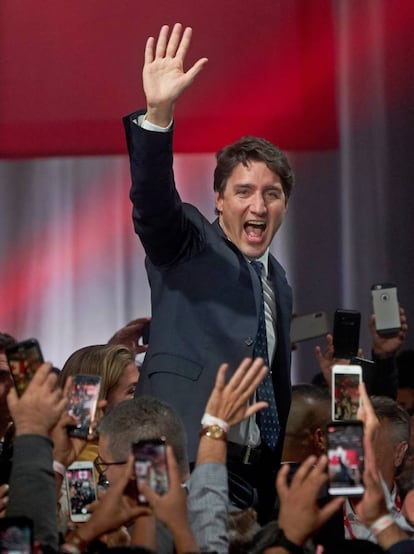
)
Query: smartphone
[
  {"x": 82, "y": 403},
  {"x": 345, "y": 395},
  {"x": 24, "y": 358},
  {"x": 345, "y": 458},
  {"x": 150, "y": 464},
  {"x": 16, "y": 534},
  {"x": 386, "y": 309},
  {"x": 81, "y": 488},
  {"x": 346, "y": 333},
  {"x": 308, "y": 326}
]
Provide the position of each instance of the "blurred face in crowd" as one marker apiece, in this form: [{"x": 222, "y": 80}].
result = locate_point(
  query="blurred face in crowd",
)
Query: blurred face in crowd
[{"x": 125, "y": 388}]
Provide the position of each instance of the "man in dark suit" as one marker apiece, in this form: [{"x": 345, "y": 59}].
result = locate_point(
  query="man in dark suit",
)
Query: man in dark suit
[{"x": 209, "y": 304}]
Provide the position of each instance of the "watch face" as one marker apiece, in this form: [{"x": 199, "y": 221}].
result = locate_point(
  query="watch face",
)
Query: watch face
[{"x": 215, "y": 432}]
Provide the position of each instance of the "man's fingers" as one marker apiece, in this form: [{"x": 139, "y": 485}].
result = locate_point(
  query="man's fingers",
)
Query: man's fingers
[
  {"x": 174, "y": 40},
  {"x": 162, "y": 42},
  {"x": 281, "y": 480},
  {"x": 184, "y": 43},
  {"x": 329, "y": 509},
  {"x": 149, "y": 50}
]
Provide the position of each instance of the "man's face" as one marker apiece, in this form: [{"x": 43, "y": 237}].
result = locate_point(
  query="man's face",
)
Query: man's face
[
  {"x": 389, "y": 452},
  {"x": 114, "y": 472},
  {"x": 252, "y": 208}
]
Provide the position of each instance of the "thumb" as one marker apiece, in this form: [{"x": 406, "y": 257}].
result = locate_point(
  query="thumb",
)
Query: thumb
[{"x": 12, "y": 400}]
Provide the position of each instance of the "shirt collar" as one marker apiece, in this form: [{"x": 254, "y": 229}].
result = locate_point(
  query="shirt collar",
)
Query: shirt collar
[{"x": 264, "y": 259}]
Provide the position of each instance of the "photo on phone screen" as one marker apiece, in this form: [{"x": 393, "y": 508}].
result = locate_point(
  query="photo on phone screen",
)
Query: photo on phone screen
[
  {"x": 24, "y": 359},
  {"x": 386, "y": 309},
  {"x": 346, "y": 333},
  {"x": 82, "y": 403},
  {"x": 81, "y": 489},
  {"x": 345, "y": 391},
  {"x": 345, "y": 457},
  {"x": 150, "y": 464}
]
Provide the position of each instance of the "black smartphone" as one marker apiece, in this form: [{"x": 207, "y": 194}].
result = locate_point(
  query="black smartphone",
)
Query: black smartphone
[
  {"x": 150, "y": 464},
  {"x": 346, "y": 333},
  {"x": 146, "y": 333},
  {"x": 83, "y": 401},
  {"x": 24, "y": 358},
  {"x": 345, "y": 458},
  {"x": 16, "y": 535},
  {"x": 386, "y": 309}
]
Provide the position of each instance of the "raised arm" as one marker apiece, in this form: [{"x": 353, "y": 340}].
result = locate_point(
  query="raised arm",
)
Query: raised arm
[{"x": 163, "y": 76}]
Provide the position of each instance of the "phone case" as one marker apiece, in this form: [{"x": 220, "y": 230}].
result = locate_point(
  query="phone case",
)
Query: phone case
[
  {"x": 81, "y": 489},
  {"x": 345, "y": 392},
  {"x": 24, "y": 358},
  {"x": 346, "y": 333},
  {"x": 308, "y": 326},
  {"x": 345, "y": 458},
  {"x": 386, "y": 309}
]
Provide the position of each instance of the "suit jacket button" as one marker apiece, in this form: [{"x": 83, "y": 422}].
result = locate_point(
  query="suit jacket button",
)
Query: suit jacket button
[{"x": 249, "y": 341}]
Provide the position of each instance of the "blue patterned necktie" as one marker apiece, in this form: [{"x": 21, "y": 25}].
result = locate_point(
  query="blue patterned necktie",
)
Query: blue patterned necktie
[{"x": 268, "y": 419}]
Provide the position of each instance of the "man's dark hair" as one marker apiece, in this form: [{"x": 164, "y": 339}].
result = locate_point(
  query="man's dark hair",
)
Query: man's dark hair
[
  {"x": 252, "y": 149},
  {"x": 387, "y": 408}
]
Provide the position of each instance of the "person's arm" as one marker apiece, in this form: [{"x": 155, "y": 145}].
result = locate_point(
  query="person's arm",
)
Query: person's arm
[
  {"x": 171, "y": 508},
  {"x": 32, "y": 490},
  {"x": 165, "y": 230},
  {"x": 208, "y": 484},
  {"x": 372, "y": 509}
]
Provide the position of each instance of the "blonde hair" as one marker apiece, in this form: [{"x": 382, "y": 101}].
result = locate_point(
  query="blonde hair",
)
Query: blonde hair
[{"x": 108, "y": 361}]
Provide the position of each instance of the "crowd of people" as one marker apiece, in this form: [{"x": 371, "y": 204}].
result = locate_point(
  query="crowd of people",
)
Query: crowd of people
[{"x": 245, "y": 455}]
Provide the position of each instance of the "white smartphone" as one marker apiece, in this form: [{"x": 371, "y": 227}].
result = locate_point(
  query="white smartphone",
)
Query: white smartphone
[
  {"x": 345, "y": 391},
  {"x": 345, "y": 458},
  {"x": 308, "y": 326},
  {"x": 81, "y": 488},
  {"x": 386, "y": 308}
]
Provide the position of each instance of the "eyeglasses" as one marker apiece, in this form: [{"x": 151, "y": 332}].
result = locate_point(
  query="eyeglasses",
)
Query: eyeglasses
[{"x": 102, "y": 466}]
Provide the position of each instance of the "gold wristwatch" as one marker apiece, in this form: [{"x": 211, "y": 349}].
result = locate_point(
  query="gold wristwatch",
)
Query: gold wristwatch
[{"x": 214, "y": 432}]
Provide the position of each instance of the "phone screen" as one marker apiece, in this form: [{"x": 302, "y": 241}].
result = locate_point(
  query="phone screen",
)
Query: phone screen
[
  {"x": 24, "y": 359},
  {"x": 82, "y": 403},
  {"x": 345, "y": 458},
  {"x": 81, "y": 487},
  {"x": 151, "y": 465},
  {"x": 345, "y": 392},
  {"x": 16, "y": 535}
]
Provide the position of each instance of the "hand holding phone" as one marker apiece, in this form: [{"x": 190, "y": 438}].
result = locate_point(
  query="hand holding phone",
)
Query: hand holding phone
[
  {"x": 386, "y": 309},
  {"x": 150, "y": 464},
  {"x": 24, "y": 359},
  {"x": 82, "y": 403}
]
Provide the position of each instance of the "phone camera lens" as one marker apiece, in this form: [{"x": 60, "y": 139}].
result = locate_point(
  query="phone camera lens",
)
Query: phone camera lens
[{"x": 385, "y": 297}]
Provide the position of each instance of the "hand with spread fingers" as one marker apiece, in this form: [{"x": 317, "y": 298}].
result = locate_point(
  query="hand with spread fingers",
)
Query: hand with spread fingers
[
  {"x": 229, "y": 401},
  {"x": 164, "y": 78},
  {"x": 171, "y": 507},
  {"x": 41, "y": 405}
]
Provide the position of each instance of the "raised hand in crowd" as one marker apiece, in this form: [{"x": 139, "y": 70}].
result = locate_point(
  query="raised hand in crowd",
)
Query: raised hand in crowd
[
  {"x": 130, "y": 335},
  {"x": 383, "y": 346},
  {"x": 326, "y": 359}
]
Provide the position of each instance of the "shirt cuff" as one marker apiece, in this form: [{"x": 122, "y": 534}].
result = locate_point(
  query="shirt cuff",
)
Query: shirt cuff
[{"x": 141, "y": 121}]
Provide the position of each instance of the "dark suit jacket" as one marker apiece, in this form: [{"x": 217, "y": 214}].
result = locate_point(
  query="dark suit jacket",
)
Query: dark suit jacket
[{"x": 203, "y": 301}]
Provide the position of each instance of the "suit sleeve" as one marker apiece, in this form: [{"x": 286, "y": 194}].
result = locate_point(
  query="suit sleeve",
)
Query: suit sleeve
[{"x": 158, "y": 215}]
